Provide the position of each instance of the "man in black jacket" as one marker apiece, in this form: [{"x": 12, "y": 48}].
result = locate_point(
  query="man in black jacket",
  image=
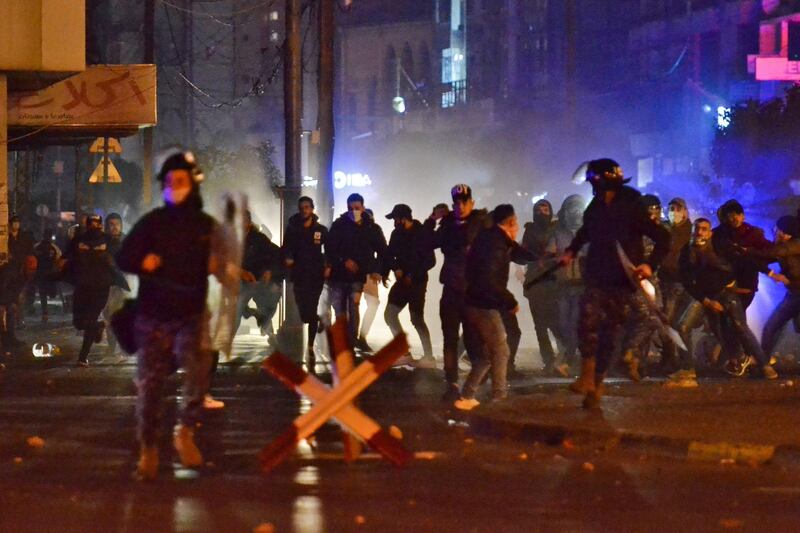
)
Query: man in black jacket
[
  {"x": 456, "y": 232},
  {"x": 613, "y": 216},
  {"x": 488, "y": 298},
  {"x": 356, "y": 248},
  {"x": 410, "y": 257},
  {"x": 711, "y": 280},
  {"x": 304, "y": 257},
  {"x": 170, "y": 250},
  {"x": 116, "y": 294},
  {"x": 261, "y": 278}
]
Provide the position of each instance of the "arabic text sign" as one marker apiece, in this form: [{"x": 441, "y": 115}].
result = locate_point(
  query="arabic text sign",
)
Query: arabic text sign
[{"x": 115, "y": 95}]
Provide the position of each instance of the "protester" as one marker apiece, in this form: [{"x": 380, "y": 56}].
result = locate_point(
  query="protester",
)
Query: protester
[
  {"x": 410, "y": 256},
  {"x": 48, "y": 256},
  {"x": 120, "y": 287}
]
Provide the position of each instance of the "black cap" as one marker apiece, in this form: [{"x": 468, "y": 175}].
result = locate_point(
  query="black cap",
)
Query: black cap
[
  {"x": 461, "y": 192},
  {"x": 400, "y": 211},
  {"x": 788, "y": 225},
  {"x": 731, "y": 206}
]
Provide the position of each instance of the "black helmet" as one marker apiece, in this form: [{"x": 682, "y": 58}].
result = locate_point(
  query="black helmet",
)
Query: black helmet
[{"x": 604, "y": 174}]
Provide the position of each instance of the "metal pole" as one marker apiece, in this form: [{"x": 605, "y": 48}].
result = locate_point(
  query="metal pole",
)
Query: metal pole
[
  {"x": 325, "y": 122},
  {"x": 292, "y": 328},
  {"x": 3, "y": 169},
  {"x": 147, "y": 133}
]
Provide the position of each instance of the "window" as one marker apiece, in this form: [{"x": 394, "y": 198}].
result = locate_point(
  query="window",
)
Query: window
[{"x": 273, "y": 15}]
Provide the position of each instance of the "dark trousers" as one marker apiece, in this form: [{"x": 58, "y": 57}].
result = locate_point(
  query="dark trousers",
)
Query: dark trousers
[
  {"x": 266, "y": 297},
  {"x": 569, "y": 312},
  {"x": 306, "y": 295},
  {"x": 412, "y": 294},
  {"x": 604, "y": 311},
  {"x": 676, "y": 301},
  {"x": 514, "y": 335},
  {"x": 87, "y": 305},
  {"x": 542, "y": 298},
  {"x": 787, "y": 310},
  {"x": 452, "y": 312},
  {"x": 491, "y": 333}
]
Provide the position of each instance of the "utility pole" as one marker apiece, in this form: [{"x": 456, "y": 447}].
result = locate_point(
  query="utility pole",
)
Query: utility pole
[
  {"x": 292, "y": 328},
  {"x": 147, "y": 134},
  {"x": 325, "y": 122}
]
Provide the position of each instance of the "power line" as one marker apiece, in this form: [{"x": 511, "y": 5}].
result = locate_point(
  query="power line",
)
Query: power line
[{"x": 266, "y": 3}]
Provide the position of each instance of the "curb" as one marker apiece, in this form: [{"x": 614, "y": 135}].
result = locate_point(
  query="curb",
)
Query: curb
[{"x": 684, "y": 448}]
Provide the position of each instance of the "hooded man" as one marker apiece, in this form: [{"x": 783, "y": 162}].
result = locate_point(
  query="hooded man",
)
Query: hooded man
[
  {"x": 303, "y": 251},
  {"x": 569, "y": 279},
  {"x": 355, "y": 249},
  {"x": 116, "y": 295},
  {"x": 614, "y": 216},
  {"x": 92, "y": 273},
  {"x": 170, "y": 249},
  {"x": 410, "y": 257},
  {"x": 456, "y": 232},
  {"x": 541, "y": 295}
]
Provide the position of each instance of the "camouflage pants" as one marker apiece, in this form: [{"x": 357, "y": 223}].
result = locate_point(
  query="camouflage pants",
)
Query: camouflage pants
[
  {"x": 603, "y": 314},
  {"x": 165, "y": 346}
]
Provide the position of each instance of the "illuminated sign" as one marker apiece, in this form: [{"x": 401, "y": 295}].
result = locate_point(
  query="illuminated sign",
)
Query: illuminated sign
[
  {"x": 342, "y": 180},
  {"x": 777, "y": 69}
]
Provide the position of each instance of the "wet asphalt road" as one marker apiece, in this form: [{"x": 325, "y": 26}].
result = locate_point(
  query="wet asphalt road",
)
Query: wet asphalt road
[{"x": 80, "y": 479}]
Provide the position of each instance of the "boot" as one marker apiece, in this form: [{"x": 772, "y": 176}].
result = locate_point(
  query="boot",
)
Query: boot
[
  {"x": 592, "y": 399},
  {"x": 183, "y": 440},
  {"x": 586, "y": 382},
  {"x": 147, "y": 467}
]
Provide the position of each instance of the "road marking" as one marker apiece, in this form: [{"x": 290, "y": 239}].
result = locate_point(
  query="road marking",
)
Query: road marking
[{"x": 714, "y": 451}]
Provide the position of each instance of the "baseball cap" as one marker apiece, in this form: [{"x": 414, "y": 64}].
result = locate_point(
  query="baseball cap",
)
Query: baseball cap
[
  {"x": 461, "y": 191},
  {"x": 680, "y": 202},
  {"x": 400, "y": 211}
]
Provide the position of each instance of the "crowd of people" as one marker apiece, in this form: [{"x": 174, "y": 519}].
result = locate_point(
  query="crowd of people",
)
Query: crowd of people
[{"x": 682, "y": 275}]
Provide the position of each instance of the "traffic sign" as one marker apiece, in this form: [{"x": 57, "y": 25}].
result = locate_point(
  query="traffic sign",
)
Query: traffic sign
[
  {"x": 106, "y": 144},
  {"x": 105, "y": 172}
]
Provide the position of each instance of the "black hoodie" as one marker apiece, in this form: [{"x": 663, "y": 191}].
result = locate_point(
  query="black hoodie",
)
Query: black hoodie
[
  {"x": 305, "y": 246},
  {"x": 410, "y": 250},
  {"x": 455, "y": 237}
]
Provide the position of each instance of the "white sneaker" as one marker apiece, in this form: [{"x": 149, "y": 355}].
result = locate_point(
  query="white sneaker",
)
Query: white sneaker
[
  {"x": 209, "y": 402},
  {"x": 427, "y": 361},
  {"x": 466, "y": 404}
]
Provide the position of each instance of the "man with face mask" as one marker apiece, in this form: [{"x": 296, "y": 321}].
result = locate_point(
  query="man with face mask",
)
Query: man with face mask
[
  {"x": 711, "y": 280},
  {"x": 355, "y": 249},
  {"x": 410, "y": 257},
  {"x": 614, "y": 216},
  {"x": 569, "y": 280},
  {"x": 92, "y": 270},
  {"x": 170, "y": 250},
  {"x": 456, "y": 232},
  {"x": 542, "y": 294}
]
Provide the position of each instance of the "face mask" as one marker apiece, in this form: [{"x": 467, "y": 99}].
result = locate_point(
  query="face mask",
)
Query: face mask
[
  {"x": 604, "y": 185},
  {"x": 676, "y": 217},
  {"x": 175, "y": 196},
  {"x": 355, "y": 216}
]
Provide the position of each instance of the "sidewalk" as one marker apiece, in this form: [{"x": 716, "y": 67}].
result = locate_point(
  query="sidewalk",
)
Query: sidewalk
[{"x": 741, "y": 420}]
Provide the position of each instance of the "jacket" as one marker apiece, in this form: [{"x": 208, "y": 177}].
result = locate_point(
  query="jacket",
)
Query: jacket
[
  {"x": 306, "y": 247},
  {"x": 261, "y": 255},
  {"x": 623, "y": 221},
  {"x": 704, "y": 273},
  {"x": 571, "y": 275},
  {"x": 788, "y": 255},
  {"x": 681, "y": 234},
  {"x": 363, "y": 243},
  {"x": 412, "y": 252},
  {"x": 454, "y": 237},
  {"x": 181, "y": 236},
  {"x": 535, "y": 238},
  {"x": 487, "y": 268},
  {"x": 92, "y": 266},
  {"x": 728, "y": 243}
]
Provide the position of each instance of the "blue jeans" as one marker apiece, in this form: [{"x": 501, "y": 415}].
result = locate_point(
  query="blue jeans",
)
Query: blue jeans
[
  {"x": 732, "y": 330},
  {"x": 345, "y": 299},
  {"x": 787, "y": 310}
]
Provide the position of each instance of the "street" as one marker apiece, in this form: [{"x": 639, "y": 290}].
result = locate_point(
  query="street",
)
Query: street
[{"x": 79, "y": 478}]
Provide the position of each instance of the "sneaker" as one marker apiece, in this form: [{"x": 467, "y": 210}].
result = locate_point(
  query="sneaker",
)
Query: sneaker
[
  {"x": 183, "y": 440},
  {"x": 464, "y": 363},
  {"x": 768, "y": 372},
  {"x": 561, "y": 370},
  {"x": 466, "y": 404},
  {"x": 632, "y": 363},
  {"x": 405, "y": 360},
  {"x": 452, "y": 393},
  {"x": 147, "y": 467},
  {"x": 738, "y": 367},
  {"x": 362, "y": 346},
  {"x": 426, "y": 362},
  {"x": 209, "y": 402},
  {"x": 82, "y": 364}
]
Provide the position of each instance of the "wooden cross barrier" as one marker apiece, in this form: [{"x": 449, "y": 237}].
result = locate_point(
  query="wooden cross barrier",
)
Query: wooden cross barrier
[
  {"x": 337, "y": 403},
  {"x": 343, "y": 364}
]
